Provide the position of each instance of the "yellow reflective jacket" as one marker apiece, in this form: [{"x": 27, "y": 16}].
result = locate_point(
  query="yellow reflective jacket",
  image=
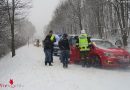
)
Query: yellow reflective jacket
[
  {"x": 52, "y": 38},
  {"x": 83, "y": 42}
]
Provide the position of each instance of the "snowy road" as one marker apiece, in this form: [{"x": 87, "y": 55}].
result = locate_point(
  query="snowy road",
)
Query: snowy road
[{"x": 28, "y": 72}]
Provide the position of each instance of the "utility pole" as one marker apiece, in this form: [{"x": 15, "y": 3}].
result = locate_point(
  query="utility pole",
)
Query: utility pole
[{"x": 82, "y": 14}]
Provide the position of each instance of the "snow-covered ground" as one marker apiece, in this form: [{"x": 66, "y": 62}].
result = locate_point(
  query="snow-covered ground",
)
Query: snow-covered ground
[{"x": 28, "y": 70}]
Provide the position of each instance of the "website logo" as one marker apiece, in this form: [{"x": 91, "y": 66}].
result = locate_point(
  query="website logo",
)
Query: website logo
[{"x": 11, "y": 84}]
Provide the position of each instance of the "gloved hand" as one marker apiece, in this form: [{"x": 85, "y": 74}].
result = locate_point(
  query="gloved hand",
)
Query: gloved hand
[
  {"x": 90, "y": 46},
  {"x": 77, "y": 46}
]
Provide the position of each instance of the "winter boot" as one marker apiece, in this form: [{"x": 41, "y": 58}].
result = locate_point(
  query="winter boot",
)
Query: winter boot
[
  {"x": 88, "y": 63},
  {"x": 50, "y": 64},
  {"x": 45, "y": 63},
  {"x": 64, "y": 65},
  {"x": 83, "y": 63}
]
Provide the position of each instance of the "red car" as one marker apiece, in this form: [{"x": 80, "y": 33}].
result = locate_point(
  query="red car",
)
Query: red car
[{"x": 103, "y": 53}]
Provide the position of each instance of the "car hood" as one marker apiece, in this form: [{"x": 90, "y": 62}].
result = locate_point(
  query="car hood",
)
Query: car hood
[{"x": 117, "y": 51}]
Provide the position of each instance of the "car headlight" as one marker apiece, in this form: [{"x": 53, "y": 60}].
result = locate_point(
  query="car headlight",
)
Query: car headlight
[{"x": 109, "y": 54}]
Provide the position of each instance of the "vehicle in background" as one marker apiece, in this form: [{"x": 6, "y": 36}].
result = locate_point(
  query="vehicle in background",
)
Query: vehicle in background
[
  {"x": 37, "y": 43},
  {"x": 56, "y": 48}
]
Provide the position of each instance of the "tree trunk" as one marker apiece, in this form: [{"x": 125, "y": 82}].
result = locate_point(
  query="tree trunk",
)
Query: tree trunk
[
  {"x": 99, "y": 23},
  {"x": 12, "y": 29},
  {"x": 12, "y": 41},
  {"x": 80, "y": 23},
  {"x": 80, "y": 17}
]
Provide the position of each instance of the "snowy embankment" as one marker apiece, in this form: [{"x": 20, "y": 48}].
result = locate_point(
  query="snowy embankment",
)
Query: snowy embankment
[{"x": 28, "y": 70}]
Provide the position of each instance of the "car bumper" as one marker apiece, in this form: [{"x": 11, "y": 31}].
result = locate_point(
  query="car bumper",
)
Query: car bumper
[
  {"x": 56, "y": 52},
  {"x": 114, "y": 62}
]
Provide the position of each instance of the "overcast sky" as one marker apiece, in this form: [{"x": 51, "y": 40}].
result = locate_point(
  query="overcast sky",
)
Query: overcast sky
[{"x": 42, "y": 13}]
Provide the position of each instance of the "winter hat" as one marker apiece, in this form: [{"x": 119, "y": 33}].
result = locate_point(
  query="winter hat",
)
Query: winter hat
[
  {"x": 65, "y": 35},
  {"x": 83, "y": 32}
]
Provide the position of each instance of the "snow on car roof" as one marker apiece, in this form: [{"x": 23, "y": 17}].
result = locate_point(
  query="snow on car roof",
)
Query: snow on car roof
[
  {"x": 94, "y": 39},
  {"x": 72, "y": 35}
]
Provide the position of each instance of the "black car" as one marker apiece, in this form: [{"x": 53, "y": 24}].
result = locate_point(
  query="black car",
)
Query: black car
[{"x": 56, "y": 51}]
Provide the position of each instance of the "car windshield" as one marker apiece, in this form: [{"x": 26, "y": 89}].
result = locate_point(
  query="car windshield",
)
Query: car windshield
[
  {"x": 103, "y": 44},
  {"x": 72, "y": 40}
]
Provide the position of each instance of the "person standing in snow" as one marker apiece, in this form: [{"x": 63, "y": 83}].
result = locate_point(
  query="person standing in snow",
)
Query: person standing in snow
[
  {"x": 64, "y": 47},
  {"x": 53, "y": 40},
  {"x": 83, "y": 43},
  {"x": 48, "y": 48}
]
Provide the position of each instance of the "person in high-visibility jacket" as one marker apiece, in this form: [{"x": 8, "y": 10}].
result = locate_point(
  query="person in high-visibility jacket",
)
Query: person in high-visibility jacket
[
  {"x": 53, "y": 39},
  {"x": 48, "y": 43},
  {"x": 83, "y": 43}
]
